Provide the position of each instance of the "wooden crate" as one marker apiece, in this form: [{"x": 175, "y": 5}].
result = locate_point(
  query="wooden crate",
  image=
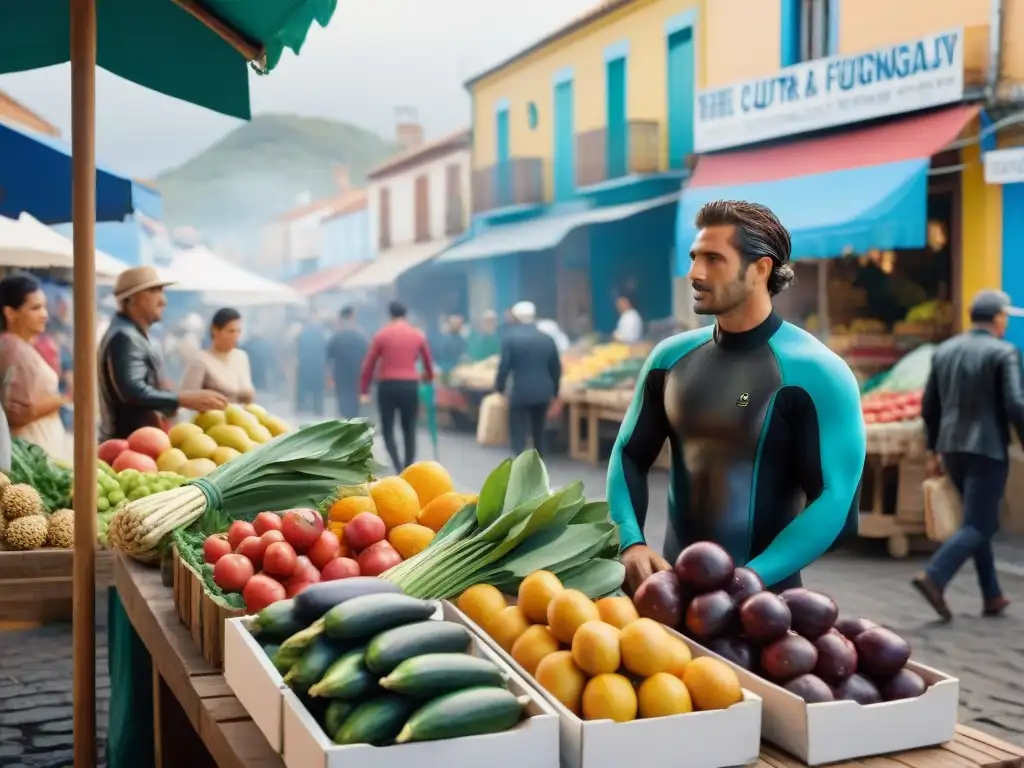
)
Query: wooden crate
[
  {"x": 36, "y": 586},
  {"x": 203, "y": 616},
  {"x": 910, "y": 496}
]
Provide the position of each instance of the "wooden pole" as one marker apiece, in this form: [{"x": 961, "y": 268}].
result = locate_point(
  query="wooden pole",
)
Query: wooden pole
[{"x": 83, "y": 202}]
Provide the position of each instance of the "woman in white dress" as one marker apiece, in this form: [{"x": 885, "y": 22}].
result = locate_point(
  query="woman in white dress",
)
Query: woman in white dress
[{"x": 29, "y": 387}]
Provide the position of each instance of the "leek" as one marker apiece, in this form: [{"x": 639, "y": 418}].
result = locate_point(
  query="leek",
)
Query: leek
[
  {"x": 298, "y": 469},
  {"x": 517, "y": 526}
]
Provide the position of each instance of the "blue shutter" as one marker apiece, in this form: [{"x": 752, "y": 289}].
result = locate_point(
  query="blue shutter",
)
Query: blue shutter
[
  {"x": 790, "y": 31},
  {"x": 503, "y": 169},
  {"x": 565, "y": 139},
  {"x": 680, "y": 96},
  {"x": 616, "y": 132}
]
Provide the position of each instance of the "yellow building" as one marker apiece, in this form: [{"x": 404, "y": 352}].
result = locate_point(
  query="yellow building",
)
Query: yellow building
[
  {"x": 592, "y": 125},
  {"x": 863, "y": 124}
]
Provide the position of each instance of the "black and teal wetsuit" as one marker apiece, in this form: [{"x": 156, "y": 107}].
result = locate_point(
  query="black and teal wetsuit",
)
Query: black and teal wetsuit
[{"x": 767, "y": 444}]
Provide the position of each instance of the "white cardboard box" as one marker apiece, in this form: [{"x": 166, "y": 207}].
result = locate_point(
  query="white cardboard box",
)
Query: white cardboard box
[
  {"x": 845, "y": 730},
  {"x": 532, "y": 743},
  {"x": 254, "y": 680},
  {"x": 714, "y": 739}
]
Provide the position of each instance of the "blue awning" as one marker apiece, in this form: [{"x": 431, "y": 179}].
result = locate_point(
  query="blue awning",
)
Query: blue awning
[
  {"x": 544, "y": 232},
  {"x": 35, "y": 177},
  {"x": 847, "y": 192}
]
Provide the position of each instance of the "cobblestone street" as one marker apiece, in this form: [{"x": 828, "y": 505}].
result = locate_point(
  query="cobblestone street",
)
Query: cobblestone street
[{"x": 987, "y": 654}]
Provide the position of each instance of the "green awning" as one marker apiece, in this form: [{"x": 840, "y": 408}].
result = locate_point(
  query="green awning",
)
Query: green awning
[{"x": 157, "y": 44}]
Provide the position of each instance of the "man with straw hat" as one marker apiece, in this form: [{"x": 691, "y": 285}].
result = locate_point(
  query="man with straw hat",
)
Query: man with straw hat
[
  {"x": 131, "y": 380},
  {"x": 132, "y": 395}
]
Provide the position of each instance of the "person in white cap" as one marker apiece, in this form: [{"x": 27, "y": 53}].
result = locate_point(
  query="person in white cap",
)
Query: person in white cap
[
  {"x": 973, "y": 397},
  {"x": 530, "y": 358}
]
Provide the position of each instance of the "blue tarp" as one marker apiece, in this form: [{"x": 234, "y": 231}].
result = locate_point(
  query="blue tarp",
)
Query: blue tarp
[
  {"x": 829, "y": 214},
  {"x": 35, "y": 176}
]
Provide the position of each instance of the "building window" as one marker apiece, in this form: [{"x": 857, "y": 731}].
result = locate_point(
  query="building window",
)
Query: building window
[
  {"x": 454, "y": 219},
  {"x": 422, "y": 209},
  {"x": 532, "y": 116},
  {"x": 384, "y": 219},
  {"x": 814, "y": 29}
]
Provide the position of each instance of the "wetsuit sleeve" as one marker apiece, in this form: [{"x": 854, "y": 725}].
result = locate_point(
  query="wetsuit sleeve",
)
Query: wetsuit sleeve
[
  {"x": 640, "y": 440},
  {"x": 931, "y": 410},
  {"x": 835, "y": 397}
]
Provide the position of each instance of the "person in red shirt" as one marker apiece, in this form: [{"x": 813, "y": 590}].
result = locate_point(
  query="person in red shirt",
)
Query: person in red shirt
[{"x": 394, "y": 353}]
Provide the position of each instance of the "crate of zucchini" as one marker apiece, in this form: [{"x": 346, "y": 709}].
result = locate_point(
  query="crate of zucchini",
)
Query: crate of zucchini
[{"x": 348, "y": 667}]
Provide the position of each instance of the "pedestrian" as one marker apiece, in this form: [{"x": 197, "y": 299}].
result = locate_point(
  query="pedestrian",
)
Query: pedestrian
[
  {"x": 763, "y": 420},
  {"x": 394, "y": 354},
  {"x": 346, "y": 351},
  {"x": 223, "y": 367},
  {"x": 483, "y": 341},
  {"x": 973, "y": 396},
  {"x": 131, "y": 396},
  {"x": 530, "y": 358},
  {"x": 630, "y": 329},
  {"x": 311, "y": 368},
  {"x": 451, "y": 345}
]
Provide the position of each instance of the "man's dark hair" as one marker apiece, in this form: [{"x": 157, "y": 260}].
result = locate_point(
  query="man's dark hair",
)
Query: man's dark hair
[
  {"x": 346, "y": 313},
  {"x": 759, "y": 234},
  {"x": 397, "y": 309}
]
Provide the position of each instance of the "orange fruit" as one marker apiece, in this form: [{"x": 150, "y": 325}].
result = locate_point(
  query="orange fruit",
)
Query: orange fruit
[
  {"x": 712, "y": 684},
  {"x": 568, "y": 611},
  {"x": 438, "y": 511},
  {"x": 429, "y": 480},
  {"x": 395, "y": 501},
  {"x": 409, "y": 539},
  {"x": 343, "y": 510},
  {"x": 617, "y": 611},
  {"x": 482, "y": 603},
  {"x": 535, "y": 592}
]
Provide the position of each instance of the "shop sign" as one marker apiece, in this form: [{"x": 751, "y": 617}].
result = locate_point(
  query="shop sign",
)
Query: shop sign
[
  {"x": 1004, "y": 166},
  {"x": 834, "y": 91}
]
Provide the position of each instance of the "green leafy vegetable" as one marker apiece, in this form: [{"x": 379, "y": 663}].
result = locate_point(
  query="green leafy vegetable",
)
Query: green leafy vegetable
[{"x": 31, "y": 465}]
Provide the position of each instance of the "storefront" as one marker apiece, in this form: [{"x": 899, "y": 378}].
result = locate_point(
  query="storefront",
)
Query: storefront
[{"x": 1004, "y": 168}]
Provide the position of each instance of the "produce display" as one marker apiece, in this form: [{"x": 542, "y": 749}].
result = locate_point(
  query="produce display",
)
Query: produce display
[
  {"x": 373, "y": 666},
  {"x": 516, "y": 526},
  {"x": 600, "y": 660},
  {"x": 890, "y": 407},
  {"x": 52, "y": 480},
  {"x": 25, "y": 522},
  {"x": 796, "y": 639},
  {"x": 599, "y": 358},
  {"x": 479, "y": 375},
  {"x": 297, "y": 470}
]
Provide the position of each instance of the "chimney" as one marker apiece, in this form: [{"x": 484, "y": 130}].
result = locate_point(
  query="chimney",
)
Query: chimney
[
  {"x": 342, "y": 178},
  {"x": 408, "y": 130}
]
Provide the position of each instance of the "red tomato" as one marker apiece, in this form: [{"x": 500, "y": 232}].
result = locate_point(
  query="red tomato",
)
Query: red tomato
[
  {"x": 301, "y": 528},
  {"x": 266, "y": 521},
  {"x": 870, "y": 418},
  {"x": 325, "y": 549},
  {"x": 239, "y": 532},
  {"x": 253, "y": 550},
  {"x": 340, "y": 568},
  {"x": 261, "y": 591},
  {"x": 279, "y": 559},
  {"x": 376, "y": 559},
  {"x": 294, "y": 585},
  {"x": 306, "y": 569},
  {"x": 233, "y": 572},
  {"x": 364, "y": 530},
  {"x": 215, "y": 547}
]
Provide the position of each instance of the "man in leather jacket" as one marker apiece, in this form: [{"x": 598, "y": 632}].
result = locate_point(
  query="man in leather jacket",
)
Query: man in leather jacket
[
  {"x": 133, "y": 392},
  {"x": 973, "y": 396}
]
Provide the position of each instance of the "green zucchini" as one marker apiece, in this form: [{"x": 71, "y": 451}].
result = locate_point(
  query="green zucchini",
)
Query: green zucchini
[
  {"x": 285, "y": 658},
  {"x": 346, "y": 678},
  {"x": 277, "y": 621},
  {"x": 369, "y": 615},
  {"x": 334, "y": 717},
  {"x": 317, "y": 599},
  {"x": 315, "y": 661},
  {"x": 472, "y": 712},
  {"x": 301, "y": 639},
  {"x": 389, "y": 649},
  {"x": 271, "y": 650},
  {"x": 377, "y": 721},
  {"x": 433, "y": 674}
]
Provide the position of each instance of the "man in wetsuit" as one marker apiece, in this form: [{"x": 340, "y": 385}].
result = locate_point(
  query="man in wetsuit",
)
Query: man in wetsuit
[{"x": 763, "y": 420}]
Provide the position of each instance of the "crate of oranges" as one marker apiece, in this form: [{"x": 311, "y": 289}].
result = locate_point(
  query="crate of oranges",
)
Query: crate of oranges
[{"x": 625, "y": 687}]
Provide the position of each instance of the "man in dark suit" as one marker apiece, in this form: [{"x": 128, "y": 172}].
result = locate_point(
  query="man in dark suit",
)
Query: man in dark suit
[
  {"x": 346, "y": 351},
  {"x": 973, "y": 396},
  {"x": 530, "y": 357}
]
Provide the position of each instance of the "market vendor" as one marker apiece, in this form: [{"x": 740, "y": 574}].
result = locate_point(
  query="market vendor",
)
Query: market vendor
[
  {"x": 483, "y": 341},
  {"x": 131, "y": 396},
  {"x": 763, "y": 420}
]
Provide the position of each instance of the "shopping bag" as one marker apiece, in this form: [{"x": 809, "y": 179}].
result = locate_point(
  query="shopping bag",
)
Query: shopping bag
[
  {"x": 492, "y": 426},
  {"x": 943, "y": 509}
]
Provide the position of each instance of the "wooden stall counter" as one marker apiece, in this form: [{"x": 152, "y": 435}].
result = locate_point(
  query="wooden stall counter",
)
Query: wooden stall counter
[{"x": 198, "y": 720}]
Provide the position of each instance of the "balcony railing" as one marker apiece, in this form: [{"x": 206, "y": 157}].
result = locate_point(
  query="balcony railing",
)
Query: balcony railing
[
  {"x": 519, "y": 181},
  {"x": 612, "y": 152}
]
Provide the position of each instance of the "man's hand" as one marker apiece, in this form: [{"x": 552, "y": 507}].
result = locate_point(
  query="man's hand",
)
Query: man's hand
[
  {"x": 641, "y": 561},
  {"x": 202, "y": 400},
  {"x": 364, "y": 399},
  {"x": 934, "y": 465}
]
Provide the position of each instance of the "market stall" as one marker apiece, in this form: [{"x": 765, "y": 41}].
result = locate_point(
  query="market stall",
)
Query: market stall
[{"x": 497, "y": 634}]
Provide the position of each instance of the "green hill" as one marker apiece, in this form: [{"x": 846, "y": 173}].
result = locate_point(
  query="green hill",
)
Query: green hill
[{"x": 260, "y": 169}]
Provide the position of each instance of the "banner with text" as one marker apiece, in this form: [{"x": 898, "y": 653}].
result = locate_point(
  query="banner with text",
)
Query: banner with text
[
  {"x": 830, "y": 92},
  {"x": 1005, "y": 166}
]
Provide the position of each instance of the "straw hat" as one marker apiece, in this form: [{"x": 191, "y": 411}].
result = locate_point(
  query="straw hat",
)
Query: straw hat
[{"x": 136, "y": 280}]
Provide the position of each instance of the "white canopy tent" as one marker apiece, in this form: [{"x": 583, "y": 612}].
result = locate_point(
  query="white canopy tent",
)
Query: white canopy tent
[
  {"x": 107, "y": 267},
  {"x": 21, "y": 247},
  {"x": 220, "y": 282}
]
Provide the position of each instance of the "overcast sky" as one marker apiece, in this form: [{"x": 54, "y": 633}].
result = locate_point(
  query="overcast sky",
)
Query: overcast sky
[{"x": 374, "y": 56}]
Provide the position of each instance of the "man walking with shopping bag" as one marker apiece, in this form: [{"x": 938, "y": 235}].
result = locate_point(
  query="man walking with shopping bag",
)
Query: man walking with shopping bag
[{"x": 973, "y": 396}]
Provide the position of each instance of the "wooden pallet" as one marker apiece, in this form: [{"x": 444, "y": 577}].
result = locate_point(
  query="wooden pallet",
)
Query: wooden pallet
[{"x": 199, "y": 612}]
